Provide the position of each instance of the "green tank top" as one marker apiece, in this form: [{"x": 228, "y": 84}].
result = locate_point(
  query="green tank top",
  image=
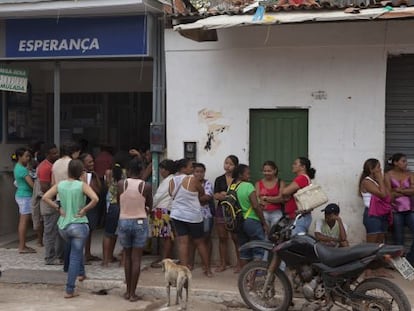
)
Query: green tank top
[{"x": 72, "y": 199}]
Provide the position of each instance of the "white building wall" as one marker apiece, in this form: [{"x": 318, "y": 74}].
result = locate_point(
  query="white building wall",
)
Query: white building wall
[{"x": 279, "y": 67}]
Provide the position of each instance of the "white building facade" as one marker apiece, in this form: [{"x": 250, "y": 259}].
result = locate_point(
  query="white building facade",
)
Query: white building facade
[{"x": 335, "y": 72}]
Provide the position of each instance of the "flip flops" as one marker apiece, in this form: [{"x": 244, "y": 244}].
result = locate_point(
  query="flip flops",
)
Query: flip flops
[
  {"x": 92, "y": 258},
  {"x": 27, "y": 250},
  {"x": 72, "y": 295}
]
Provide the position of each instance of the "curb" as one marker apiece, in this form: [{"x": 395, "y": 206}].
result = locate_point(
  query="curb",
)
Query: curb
[{"x": 227, "y": 298}]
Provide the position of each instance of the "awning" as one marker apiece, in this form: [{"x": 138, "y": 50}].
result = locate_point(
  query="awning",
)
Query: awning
[
  {"x": 59, "y": 8},
  {"x": 226, "y": 21}
]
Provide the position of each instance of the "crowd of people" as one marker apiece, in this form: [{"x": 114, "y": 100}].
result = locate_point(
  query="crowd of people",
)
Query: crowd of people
[{"x": 70, "y": 196}]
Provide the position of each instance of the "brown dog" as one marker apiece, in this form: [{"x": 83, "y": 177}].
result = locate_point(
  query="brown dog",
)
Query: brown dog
[{"x": 176, "y": 276}]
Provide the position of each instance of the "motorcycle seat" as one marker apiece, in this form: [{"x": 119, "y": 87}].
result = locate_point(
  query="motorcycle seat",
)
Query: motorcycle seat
[{"x": 334, "y": 257}]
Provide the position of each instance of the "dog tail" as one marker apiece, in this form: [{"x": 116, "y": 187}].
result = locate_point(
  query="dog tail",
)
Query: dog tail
[{"x": 188, "y": 273}]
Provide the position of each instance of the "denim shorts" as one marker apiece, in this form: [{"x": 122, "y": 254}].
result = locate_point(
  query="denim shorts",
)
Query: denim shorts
[
  {"x": 252, "y": 230},
  {"x": 111, "y": 220},
  {"x": 302, "y": 224},
  {"x": 133, "y": 233},
  {"x": 375, "y": 224},
  {"x": 25, "y": 205},
  {"x": 208, "y": 225}
]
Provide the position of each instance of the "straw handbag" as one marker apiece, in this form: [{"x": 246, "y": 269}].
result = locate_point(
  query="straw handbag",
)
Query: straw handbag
[{"x": 309, "y": 198}]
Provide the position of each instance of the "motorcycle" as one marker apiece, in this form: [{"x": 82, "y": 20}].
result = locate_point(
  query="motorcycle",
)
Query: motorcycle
[{"x": 326, "y": 276}]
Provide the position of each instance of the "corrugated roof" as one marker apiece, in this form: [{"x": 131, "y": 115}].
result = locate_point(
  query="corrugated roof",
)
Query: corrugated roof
[
  {"x": 179, "y": 9},
  {"x": 225, "y": 21},
  {"x": 46, "y": 8}
]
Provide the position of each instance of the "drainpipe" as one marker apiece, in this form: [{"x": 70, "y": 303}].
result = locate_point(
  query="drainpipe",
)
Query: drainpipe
[
  {"x": 158, "y": 93},
  {"x": 56, "y": 105}
]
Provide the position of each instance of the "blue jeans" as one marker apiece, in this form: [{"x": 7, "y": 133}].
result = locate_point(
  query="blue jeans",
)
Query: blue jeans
[
  {"x": 302, "y": 224},
  {"x": 75, "y": 235},
  {"x": 272, "y": 217},
  {"x": 252, "y": 230},
  {"x": 402, "y": 219}
]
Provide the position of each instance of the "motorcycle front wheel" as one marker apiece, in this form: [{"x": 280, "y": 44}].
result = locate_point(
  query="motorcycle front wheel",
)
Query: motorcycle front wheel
[
  {"x": 382, "y": 295},
  {"x": 275, "y": 296}
]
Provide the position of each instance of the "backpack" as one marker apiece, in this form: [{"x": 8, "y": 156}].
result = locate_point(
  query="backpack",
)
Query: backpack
[{"x": 232, "y": 210}]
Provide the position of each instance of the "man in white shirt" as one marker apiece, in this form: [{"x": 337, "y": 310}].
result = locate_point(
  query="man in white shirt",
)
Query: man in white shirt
[{"x": 331, "y": 230}]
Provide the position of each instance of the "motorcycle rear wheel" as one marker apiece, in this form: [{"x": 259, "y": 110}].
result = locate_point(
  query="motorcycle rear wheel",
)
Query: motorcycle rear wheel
[
  {"x": 277, "y": 296},
  {"x": 390, "y": 295}
]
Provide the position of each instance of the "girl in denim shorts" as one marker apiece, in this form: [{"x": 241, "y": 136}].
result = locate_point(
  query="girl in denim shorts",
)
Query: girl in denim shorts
[{"x": 134, "y": 197}]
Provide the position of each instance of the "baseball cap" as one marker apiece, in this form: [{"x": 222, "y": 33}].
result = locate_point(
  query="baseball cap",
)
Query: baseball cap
[{"x": 331, "y": 208}]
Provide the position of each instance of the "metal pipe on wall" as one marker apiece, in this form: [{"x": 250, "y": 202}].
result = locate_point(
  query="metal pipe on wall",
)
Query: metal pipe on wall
[
  {"x": 158, "y": 95},
  {"x": 56, "y": 104}
]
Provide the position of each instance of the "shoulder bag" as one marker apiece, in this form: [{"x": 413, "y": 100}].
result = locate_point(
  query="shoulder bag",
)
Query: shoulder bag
[
  {"x": 309, "y": 198},
  {"x": 379, "y": 206}
]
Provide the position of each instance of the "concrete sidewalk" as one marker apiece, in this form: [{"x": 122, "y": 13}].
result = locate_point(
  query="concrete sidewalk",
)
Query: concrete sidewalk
[
  {"x": 221, "y": 288},
  {"x": 30, "y": 268}
]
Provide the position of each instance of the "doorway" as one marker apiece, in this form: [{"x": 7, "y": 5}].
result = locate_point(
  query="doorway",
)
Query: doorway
[{"x": 280, "y": 135}]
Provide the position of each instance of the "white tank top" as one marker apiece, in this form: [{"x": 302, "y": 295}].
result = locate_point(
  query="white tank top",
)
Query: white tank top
[
  {"x": 366, "y": 196},
  {"x": 185, "y": 205}
]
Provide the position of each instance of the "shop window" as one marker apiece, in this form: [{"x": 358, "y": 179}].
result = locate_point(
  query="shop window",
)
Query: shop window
[
  {"x": 26, "y": 116},
  {"x": 18, "y": 110}
]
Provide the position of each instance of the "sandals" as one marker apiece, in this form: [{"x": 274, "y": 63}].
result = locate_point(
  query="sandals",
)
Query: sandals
[
  {"x": 208, "y": 273},
  {"x": 132, "y": 298},
  {"x": 72, "y": 295},
  {"x": 236, "y": 269},
  {"x": 135, "y": 298},
  {"x": 92, "y": 258},
  {"x": 220, "y": 269},
  {"x": 27, "y": 250}
]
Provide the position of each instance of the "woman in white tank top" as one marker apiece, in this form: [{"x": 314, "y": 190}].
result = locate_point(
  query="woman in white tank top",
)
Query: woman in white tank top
[
  {"x": 186, "y": 213},
  {"x": 372, "y": 183}
]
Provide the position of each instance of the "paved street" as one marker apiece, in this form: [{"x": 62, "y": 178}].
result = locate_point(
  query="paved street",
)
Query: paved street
[
  {"x": 28, "y": 284},
  {"x": 17, "y": 297}
]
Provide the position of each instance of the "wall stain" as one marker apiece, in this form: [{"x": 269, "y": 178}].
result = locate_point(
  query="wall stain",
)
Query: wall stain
[
  {"x": 210, "y": 117},
  {"x": 210, "y": 138},
  {"x": 213, "y": 130}
]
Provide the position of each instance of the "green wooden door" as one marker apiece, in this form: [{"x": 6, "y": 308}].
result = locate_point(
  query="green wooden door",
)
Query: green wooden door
[{"x": 280, "y": 135}]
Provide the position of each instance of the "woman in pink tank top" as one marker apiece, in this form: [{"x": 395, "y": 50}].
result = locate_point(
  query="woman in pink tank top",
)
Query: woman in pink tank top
[
  {"x": 400, "y": 182},
  {"x": 269, "y": 191},
  {"x": 134, "y": 196}
]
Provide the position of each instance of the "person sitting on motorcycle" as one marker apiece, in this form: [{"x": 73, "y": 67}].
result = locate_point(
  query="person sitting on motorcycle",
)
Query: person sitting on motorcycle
[
  {"x": 254, "y": 225},
  {"x": 331, "y": 230}
]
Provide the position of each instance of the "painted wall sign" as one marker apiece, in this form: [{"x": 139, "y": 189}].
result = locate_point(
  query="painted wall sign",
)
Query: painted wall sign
[
  {"x": 14, "y": 80},
  {"x": 76, "y": 37}
]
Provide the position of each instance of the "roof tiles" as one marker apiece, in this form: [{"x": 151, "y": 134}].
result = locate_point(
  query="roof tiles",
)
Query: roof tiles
[{"x": 240, "y": 7}]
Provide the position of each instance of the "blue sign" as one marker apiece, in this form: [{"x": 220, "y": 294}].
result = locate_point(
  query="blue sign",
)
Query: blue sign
[{"x": 76, "y": 37}]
